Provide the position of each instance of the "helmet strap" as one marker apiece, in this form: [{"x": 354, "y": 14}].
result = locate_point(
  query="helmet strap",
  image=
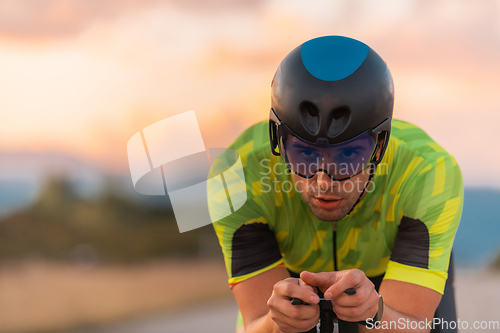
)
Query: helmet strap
[{"x": 373, "y": 166}]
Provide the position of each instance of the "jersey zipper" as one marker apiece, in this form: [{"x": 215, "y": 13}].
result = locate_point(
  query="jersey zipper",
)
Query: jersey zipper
[{"x": 334, "y": 229}]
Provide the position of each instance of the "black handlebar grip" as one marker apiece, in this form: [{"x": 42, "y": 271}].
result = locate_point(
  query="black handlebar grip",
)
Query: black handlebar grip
[
  {"x": 298, "y": 301},
  {"x": 326, "y": 316}
]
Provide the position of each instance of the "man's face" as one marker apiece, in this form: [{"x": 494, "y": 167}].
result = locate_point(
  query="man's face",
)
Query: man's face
[{"x": 331, "y": 200}]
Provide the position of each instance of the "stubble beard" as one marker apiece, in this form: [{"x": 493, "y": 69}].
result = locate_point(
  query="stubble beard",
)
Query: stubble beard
[
  {"x": 333, "y": 215},
  {"x": 338, "y": 213}
]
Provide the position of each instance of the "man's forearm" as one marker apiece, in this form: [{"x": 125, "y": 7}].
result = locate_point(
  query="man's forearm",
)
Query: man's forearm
[{"x": 263, "y": 324}]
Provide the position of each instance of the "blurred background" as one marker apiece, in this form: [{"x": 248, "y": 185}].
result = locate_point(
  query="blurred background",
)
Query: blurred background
[{"x": 80, "y": 251}]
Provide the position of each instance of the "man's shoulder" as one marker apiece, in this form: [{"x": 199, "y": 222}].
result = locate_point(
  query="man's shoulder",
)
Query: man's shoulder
[
  {"x": 409, "y": 142},
  {"x": 253, "y": 145},
  {"x": 419, "y": 171},
  {"x": 416, "y": 167},
  {"x": 408, "y": 132}
]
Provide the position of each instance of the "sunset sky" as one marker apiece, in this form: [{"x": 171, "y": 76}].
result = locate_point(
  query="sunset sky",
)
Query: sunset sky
[{"x": 80, "y": 77}]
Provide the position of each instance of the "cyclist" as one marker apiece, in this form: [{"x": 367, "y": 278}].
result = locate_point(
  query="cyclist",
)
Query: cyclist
[{"x": 344, "y": 198}]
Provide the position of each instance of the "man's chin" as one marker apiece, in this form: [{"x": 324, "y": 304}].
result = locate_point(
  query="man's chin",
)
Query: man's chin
[{"x": 329, "y": 215}]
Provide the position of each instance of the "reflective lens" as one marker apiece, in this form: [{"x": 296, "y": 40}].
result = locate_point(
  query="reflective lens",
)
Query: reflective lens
[{"x": 340, "y": 161}]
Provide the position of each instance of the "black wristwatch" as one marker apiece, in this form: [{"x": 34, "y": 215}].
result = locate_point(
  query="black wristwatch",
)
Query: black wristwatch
[{"x": 378, "y": 316}]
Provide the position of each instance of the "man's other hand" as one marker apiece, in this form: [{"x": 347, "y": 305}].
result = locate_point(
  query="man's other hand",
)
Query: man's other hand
[
  {"x": 358, "y": 307},
  {"x": 293, "y": 318}
]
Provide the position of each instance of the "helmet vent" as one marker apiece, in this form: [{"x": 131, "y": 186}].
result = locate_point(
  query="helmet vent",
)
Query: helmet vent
[
  {"x": 338, "y": 120},
  {"x": 309, "y": 115}
]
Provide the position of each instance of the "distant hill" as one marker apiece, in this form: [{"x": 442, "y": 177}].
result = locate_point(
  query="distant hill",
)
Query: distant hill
[
  {"x": 15, "y": 195},
  {"x": 23, "y": 174},
  {"x": 60, "y": 225}
]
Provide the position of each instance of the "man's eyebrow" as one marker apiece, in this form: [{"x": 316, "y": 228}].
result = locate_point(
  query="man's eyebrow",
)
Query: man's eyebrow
[
  {"x": 354, "y": 147},
  {"x": 361, "y": 144},
  {"x": 301, "y": 145},
  {"x": 358, "y": 144},
  {"x": 348, "y": 146}
]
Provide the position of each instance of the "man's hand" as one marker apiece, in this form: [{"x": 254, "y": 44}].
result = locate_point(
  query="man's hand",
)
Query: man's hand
[
  {"x": 293, "y": 318},
  {"x": 357, "y": 307}
]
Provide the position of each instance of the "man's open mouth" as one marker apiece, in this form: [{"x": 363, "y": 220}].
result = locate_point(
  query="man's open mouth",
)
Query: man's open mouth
[{"x": 327, "y": 203}]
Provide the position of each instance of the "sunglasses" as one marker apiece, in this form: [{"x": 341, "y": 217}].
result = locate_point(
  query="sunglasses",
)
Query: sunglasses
[{"x": 340, "y": 161}]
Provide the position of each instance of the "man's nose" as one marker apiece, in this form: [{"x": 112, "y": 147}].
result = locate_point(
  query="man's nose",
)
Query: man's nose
[{"x": 324, "y": 181}]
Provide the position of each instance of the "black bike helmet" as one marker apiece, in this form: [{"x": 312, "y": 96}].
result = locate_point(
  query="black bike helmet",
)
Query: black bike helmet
[{"x": 330, "y": 90}]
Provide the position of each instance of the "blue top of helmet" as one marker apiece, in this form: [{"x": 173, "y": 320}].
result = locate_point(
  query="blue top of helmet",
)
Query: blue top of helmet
[{"x": 333, "y": 58}]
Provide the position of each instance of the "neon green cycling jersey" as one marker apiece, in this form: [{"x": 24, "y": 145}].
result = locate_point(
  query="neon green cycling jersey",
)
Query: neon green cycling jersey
[{"x": 403, "y": 228}]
